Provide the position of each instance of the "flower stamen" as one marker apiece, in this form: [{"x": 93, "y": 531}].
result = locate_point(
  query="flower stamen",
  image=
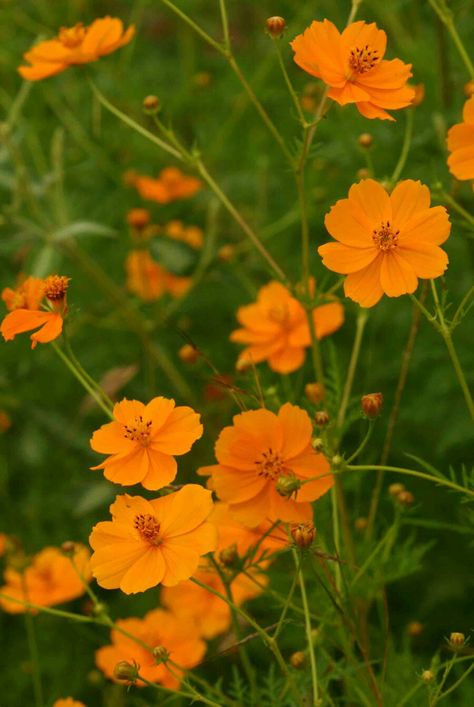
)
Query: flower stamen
[
  {"x": 148, "y": 528},
  {"x": 363, "y": 59},
  {"x": 72, "y": 37},
  {"x": 385, "y": 238},
  {"x": 139, "y": 431},
  {"x": 270, "y": 466}
]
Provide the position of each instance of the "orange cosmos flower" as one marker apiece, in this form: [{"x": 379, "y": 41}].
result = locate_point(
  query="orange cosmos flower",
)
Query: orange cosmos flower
[
  {"x": 461, "y": 144},
  {"x": 25, "y": 317},
  {"x": 257, "y": 452},
  {"x": 68, "y": 702},
  {"x": 385, "y": 242},
  {"x": 75, "y": 45},
  {"x": 143, "y": 439},
  {"x": 351, "y": 64},
  {"x": 157, "y": 629},
  {"x": 147, "y": 279},
  {"x": 275, "y": 328},
  {"x": 171, "y": 185},
  {"x": 195, "y": 606},
  {"x": 152, "y": 542},
  {"x": 50, "y": 579},
  {"x": 192, "y": 235}
]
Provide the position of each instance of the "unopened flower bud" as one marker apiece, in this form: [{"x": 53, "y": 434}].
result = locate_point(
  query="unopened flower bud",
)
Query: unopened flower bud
[
  {"x": 321, "y": 418},
  {"x": 229, "y": 555},
  {"x": 226, "y": 253},
  {"x": 363, "y": 173},
  {"x": 69, "y": 548},
  {"x": 427, "y": 676},
  {"x": 372, "y": 405},
  {"x": 188, "y": 353},
  {"x": 314, "y": 392},
  {"x": 361, "y": 523},
  {"x": 151, "y": 105},
  {"x": 126, "y": 671},
  {"x": 419, "y": 94},
  {"x": 275, "y": 26},
  {"x": 297, "y": 659},
  {"x": 395, "y": 489},
  {"x": 336, "y": 461},
  {"x": 287, "y": 485},
  {"x": 406, "y": 498},
  {"x": 469, "y": 88},
  {"x": 138, "y": 218},
  {"x": 415, "y": 628},
  {"x": 457, "y": 640},
  {"x": 365, "y": 140},
  {"x": 160, "y": 654},
  {"x": 303, "y": 534},
  {"x": 243, "y": 365},
  {"x": 202, "y": 79},
  {"x": 317, "y": 444}
]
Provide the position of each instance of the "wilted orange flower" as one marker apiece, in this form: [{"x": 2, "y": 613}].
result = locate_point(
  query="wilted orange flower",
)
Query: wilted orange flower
[
  {"x": 50, "y": 579},
  {"x": 157, "y": 629},
  {"x": 171, "y": 185},
  {"x": 255, "y": 453},
  {"x": 461, "y": 144},
  {"x": 386, "y": 242},
  {"x": 149, "y": 280},
  {"x": 192, "y": 235},
  {"x": 24, "y": 317},
  {"x": 68, "y": 702},
  {"x": 194, "y": 605},
  {"x": 75, "y": 45},
  {"x": 143, "y": 440},
  {"x": 275, "y": 328},
  {"x": 351, "y": 64},
  {"x": 152, "y": 542}
]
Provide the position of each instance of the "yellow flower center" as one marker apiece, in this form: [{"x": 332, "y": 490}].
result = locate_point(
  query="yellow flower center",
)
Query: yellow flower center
[
  {"x": 72, "y": 37},
  {"x": 148, "y": 528},
  {"x": 363, "y": 59},
  {"x": 139, "y": 431},
  {"x": 270, "y": 465},
  {"x": 385, "y": 237},
  {"x": 55, "y": 287}
]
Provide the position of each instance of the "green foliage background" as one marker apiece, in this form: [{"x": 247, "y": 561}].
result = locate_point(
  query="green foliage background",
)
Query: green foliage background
[{"x": 61, "y": 161}]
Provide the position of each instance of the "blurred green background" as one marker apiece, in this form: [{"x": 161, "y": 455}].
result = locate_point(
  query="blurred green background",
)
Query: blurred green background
[{"x": 62, "y": 160}]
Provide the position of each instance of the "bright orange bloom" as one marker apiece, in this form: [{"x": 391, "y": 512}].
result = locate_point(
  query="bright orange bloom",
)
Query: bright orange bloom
[
  {"x": 461, "y": 144},
  {"x": 275, "y": 328},
  {"x": 75, "y": 45},
  {"x": 171, "y": 185},
  {"x": 149, "y": 280},
  {"x": 385, "y": 242},
  {"x": 259, "y": 450},
  {"x": 50, "y": 579},
  {"x": 351, "y": 64},
  {"x": 157, "y": 629},
  {"x": 152, "y": 542},
  {"x": 26, "y": 314},
  {"x": 143, "y": 440},
  {"x": 192, "y": 235},
  {"x": 68, "y": 702},
  {"x": 195, "y": 606}
]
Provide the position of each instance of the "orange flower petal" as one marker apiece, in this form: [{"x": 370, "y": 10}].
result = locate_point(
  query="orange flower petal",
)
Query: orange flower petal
[
  {"x": 397, "y": 276},
  {"x": 345, "y": 259},
  {"x": 427, "y": 260},
  {"x": 162, "y": 470},
  {"x": 369, "y": 110},
  {"x": 328, "y": 318},
  {"x": 236, "y": 488},
  {"x": 127, "y": 469},
  {"x": 432, "y": 226},
  {"x": 364, "y": 286},
  {"x": 109, "y": 439},
  {"x": 297, "y": 430},
  {"x": 408, "y": 199},
  {"x": 148, "y": 571},
  {"x": 287, "y": 360},
  {"x": 349, "y": 225},
  {"x": 181, "y": 430},
  {"x": 372, "y": 200},
  {"x": 127, "y": 410},
  {"x": 185, "y": 509},
  {"x": 262, "y": 427}
]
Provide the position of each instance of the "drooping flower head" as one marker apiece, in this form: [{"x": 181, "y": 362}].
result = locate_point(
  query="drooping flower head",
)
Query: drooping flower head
[
  {"x": 385, "y": 242},
  {"x": 50, "y": 579},
  {"x": 152, "y": 542},
  {"x": 75, "y": 45},
  {"x": 259, "y": 453},
  {"x": 143, "y": 440},
  {"x": 26, "y": 313},
  {"x": 170, "y": 185},
  {"x": 461, "y": 144},
  {"x": 196, "y": 606},
  {"x": 158, "y": 629},
  {"x": 275, "y": 328},
  {"x": 351, "y": 64}
]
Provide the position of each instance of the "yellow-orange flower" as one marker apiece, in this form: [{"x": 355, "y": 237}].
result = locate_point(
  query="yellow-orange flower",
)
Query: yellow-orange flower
[
  {"x": 275, "y": 328},
  {"x": 149, "y": 280},
  {"x": 351, "y": 64},
  {"x": 171, "y": 185},
  {"x": 385, "y": 242},
  {"x": 259, "y": 450},
  {"x": 68, "y": 702},
  {"x": 75, "y": 45},
  {"x": 191, "y": 235},
  {"x": 195, "y": 606},
  {"x": 50, "y": 579},
  {"x": 143, "y": 440},
  {"x": 461, "y": 144},
  {"x": 157, "y": 629},
  {"x": 152, "y": 542},
  {"x": 25, "y": 314}
]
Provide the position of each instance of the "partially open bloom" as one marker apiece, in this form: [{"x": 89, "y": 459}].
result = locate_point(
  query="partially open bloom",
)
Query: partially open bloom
[
  {"x": 195, "y": 606},
  {"x": 275, "y": 328},
  {"x": 143, "y": 440},
  {"x": 171, "y": 185},
  {"x": 26, "y": 314},
  {"x": 152, "y": 542},
  {"x": 351, "y": 64},
  {"x": 50, "y": 579},
  {"x": 68, "y": 702},
  {"x": 385, "y": 242},
  {"x": 461, "y": 144},
  {"x": 178, "y": 231},
  {"x": 158, "y": 629},
  {"x": 258, "y": 451},
  {"x": 75, "y": 45},
  {"x": 149, "y": 280}
]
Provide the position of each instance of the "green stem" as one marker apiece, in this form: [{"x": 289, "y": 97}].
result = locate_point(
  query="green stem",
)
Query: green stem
[
  {"x": 360, "y": 326},
  {"x": 34, "y": 657},
  {"x": 47, "y": 610},
  {"x": 455, "y": 685},
  {"x": 225, "y": 23},
  {"x": 206, "y": 37},
  {"x": 410, "y": 472},
  {"x": 287, "y": 603},
  {"x": 308, "y": 629},
  {"x": 446, "y": 17},
  {"x": 457, "y": 207},
  {"x": 294, "y": 97},
  {"x": 363, "y": 443},
  {"x": 405, "y": 147},
  {"x": 420, "y": 684}
]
